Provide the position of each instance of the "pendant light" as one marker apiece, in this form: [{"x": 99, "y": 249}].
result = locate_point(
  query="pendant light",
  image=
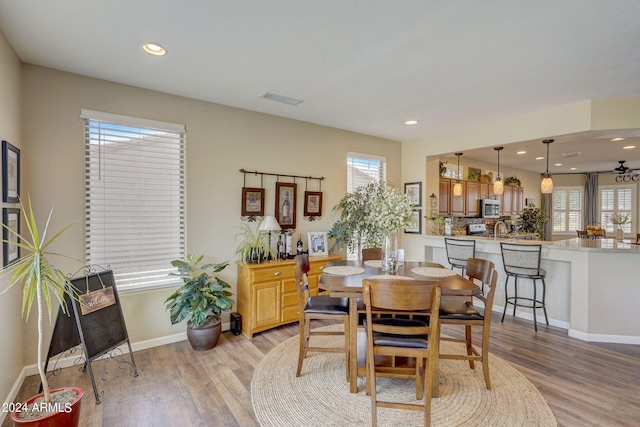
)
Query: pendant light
[
  {"x": 498, "y": 186},
  {"x": 546, "y": 185},
  {"x": 457, "y": 188}
]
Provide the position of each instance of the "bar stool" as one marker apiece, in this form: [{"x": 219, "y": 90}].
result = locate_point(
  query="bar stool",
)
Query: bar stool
[
  {"x": 523, "y": 262},
  {"x": 459, "y": 251}
]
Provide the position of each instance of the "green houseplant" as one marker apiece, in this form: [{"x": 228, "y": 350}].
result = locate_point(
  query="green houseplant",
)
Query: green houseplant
[
  {"x": 253, "y": 246},
  {"x": 43, "y": 282},
  {"x": 367, "y": 214},
  {"x": 202, "y": 298},
  {"x": 512, "y": 180},
  {"x": 532, "y": 221}
]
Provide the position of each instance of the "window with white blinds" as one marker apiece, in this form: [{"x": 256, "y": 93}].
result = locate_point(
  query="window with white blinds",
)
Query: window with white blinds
[
  {"x": 363, "y": 169},
  {"x": 617, "y": 200},
  {"x": 567, "y": 210},
  {"x": 134, "y": 197}
]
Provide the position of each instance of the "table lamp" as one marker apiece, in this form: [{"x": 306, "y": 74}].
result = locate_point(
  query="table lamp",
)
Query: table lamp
[{"x": 270, "y": 223}]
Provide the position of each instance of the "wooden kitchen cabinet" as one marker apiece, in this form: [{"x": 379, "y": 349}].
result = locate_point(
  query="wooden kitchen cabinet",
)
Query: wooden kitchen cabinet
[
  {"x": 444, "y": 197},
  {"x": 458, "y": 203},
  {"x": 267, "y": 295},
  {"x": 472, "y": 195}
]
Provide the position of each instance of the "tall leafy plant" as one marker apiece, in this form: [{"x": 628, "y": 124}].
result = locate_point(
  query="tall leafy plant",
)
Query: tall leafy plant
[
  {"x": 367, "y": 213},
  {"x": 40, "y": 279},
  {"x": 532, "y": 220}
]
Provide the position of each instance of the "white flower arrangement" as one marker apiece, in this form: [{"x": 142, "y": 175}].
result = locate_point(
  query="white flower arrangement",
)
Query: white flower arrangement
[{"x": 620, "y": 219}]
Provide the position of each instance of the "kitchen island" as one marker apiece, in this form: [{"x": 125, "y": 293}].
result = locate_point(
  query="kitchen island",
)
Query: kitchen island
[{"x": 592, "y": 284}]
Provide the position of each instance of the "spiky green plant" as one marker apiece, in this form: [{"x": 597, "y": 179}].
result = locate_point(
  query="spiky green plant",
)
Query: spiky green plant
[
  {"x": 201, "y": 294},
  {"x": 39, "y": 278}
]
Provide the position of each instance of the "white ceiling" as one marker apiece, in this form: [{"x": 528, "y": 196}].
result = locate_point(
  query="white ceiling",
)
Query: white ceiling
[{"x": 362, "y": 65}]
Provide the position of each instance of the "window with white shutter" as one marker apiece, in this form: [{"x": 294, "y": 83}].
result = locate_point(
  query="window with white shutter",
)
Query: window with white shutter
[
  {"x": 134, "y": 198},
  {"x": 567, "y": 210},
  {"x": 617, "y": 200}
]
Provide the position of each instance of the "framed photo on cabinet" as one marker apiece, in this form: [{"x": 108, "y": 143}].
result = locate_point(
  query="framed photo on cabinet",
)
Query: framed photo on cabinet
[
  {"x": 286, "y": 204},
  {"x": 252, "y": 201},
  {"x": 10, "y": 173},
  {"x": 312, "y": 203},
  {"x": 318, "y": 243}
]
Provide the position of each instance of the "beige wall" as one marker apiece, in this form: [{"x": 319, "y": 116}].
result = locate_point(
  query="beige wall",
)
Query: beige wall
[
  {"x": 220, "y": 141},
  {"x": 11, "y": 356}
]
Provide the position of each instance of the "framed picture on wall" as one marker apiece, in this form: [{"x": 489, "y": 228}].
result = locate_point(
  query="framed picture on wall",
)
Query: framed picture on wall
[
  {"x": 317, "y": 243},
  {"x": 415, "y": 227},
  {"x": 10, "y": 173},
  {"x": 413, "y": 190},
  {"x": 312, "y": 203},
  {"x": 286, "y": 204},
  {"x": 252, "y": 201},
  {"x": 11, "y": 219}
]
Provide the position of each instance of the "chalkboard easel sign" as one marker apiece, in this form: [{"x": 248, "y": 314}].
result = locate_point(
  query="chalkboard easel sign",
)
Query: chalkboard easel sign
[{"x": 96, "y": 323}]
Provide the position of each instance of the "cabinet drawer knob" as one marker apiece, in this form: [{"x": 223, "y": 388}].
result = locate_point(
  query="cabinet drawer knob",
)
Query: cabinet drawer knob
[
  {"x": 277, "y": 273},
  {"x": 321, "y": 267}
]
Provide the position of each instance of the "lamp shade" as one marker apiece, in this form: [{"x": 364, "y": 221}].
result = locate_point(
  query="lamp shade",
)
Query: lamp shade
[
  {"x": 457, "y": 189},
  {"x": 546, "y": 185},
  {"x": 498, "y": 187},
  {"x": 270, "y": 223}
]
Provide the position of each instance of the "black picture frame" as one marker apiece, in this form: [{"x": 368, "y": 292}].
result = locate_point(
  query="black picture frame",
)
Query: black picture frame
[
  {"x": 312, "y": 203},
  {"x": 252, "y": 201},
  {"x": 413, "y": 190},
  {"x": 285, "y": 211},
  {"x": 11, "y": 221},
  {"x": 416, "y": 223},
  {"x": 10, "y": 173}
]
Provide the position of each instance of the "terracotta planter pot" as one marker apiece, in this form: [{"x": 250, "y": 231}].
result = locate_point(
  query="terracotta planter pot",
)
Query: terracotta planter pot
[
  {"x": 206, "y": 336},
  {"x": 65, "y": 417}
]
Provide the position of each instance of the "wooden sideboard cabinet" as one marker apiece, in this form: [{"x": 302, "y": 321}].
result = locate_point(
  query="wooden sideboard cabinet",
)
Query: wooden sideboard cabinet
[{"x": 267, "y": 295}]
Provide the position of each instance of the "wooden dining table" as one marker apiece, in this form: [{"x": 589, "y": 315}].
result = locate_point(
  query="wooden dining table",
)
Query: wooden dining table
[{"x": 348, "y": 284}]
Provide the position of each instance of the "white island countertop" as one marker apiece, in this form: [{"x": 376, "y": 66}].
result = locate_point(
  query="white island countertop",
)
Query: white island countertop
[{"x": 592, "y": 285}]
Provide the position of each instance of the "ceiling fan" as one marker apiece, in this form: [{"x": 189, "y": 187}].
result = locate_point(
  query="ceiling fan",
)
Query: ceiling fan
[{"x": 622, "y": 169}]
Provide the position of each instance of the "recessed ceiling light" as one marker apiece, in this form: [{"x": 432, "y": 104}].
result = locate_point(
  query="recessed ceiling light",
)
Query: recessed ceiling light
[
  {"x": 411, "y": 122},
  {"x": 617, "y": 139},
  {"x": 573, "y": 169},
  {"x": 521, "y": 152},
  {"x": 280, "y": 98},
  {"x": 154, "y": 49},
  {"x": 539, "y": 158},
  {"x": 557, "y": 164},
  {"x": 628, "y": 147}
]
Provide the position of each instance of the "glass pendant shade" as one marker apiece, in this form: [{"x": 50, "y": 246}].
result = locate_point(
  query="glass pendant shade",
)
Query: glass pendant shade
[
  {"x": 546, "y": 185},
  {"x": 498, "y": 187},
  {"x": 457, "y": 189}
]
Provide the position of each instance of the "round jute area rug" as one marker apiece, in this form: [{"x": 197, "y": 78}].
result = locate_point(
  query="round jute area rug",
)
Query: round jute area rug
[{"x": 320, "y": 396}]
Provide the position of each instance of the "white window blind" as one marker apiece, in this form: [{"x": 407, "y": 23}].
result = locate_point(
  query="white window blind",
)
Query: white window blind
[
  {"x": 617, "y": 200},
  {"x": 135, "y": 198},
  {"x": 363, "y": 169},
  {"x": 567, "y": 210}
]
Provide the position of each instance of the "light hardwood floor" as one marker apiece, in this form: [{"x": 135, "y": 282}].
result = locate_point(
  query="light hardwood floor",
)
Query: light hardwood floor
[{"x": 585, "y": 384}]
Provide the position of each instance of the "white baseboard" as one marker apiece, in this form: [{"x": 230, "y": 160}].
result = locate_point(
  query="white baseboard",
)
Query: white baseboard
[
  {"x": 615, "y": 339},
  {"x": 529, "y": 316},
  {"x": 17, "y": 385}
]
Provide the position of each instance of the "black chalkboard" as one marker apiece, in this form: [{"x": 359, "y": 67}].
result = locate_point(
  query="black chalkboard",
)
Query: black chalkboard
[{"x": 98, "y": 332}]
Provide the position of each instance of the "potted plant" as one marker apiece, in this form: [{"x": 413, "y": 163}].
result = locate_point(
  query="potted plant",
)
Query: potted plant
[
  {"x": 43, "y": 282},
  {"x": 619, "y": 220},
  {"x": 202, "y": 298},
  {"x": 437, "y": 226},
  {"x": 532, "y": 221},
  {"x": 512, "y": 180},
  {"x": 367, "y": 214},
  {"x": 253, "y": 246}
]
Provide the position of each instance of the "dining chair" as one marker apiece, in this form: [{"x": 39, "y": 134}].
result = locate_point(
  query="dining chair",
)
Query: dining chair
[
  {"x": 318, "y": 307},
  {"x": 522, "y": 261},
  {"x": 464, "y": 313},
  {"x": 459, "y": 251},
  {"x": 405, "y": 337},
  {"x": 371, "y": 254}
]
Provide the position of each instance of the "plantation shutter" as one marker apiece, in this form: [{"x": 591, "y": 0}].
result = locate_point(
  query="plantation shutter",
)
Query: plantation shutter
[
  {"x": 134, "y": 198},
  {"x": 363, "y": 169}
]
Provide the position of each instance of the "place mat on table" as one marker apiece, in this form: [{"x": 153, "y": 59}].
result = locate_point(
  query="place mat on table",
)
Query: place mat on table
[
  {"x": 343, "y": 270},
  {"x": 433, "y": 272},
  {"x": 391, "y": 276},
  {"x": 376, "y": 263}
]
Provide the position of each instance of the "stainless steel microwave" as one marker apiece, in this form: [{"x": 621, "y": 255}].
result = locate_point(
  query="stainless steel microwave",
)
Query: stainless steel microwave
[{"x": 489, "y": 208}]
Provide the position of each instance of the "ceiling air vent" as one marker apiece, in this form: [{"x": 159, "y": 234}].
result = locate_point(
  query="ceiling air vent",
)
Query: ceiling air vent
[
  {"x": 571, "y": 155},
  {"x": 280, "y": 98}
]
